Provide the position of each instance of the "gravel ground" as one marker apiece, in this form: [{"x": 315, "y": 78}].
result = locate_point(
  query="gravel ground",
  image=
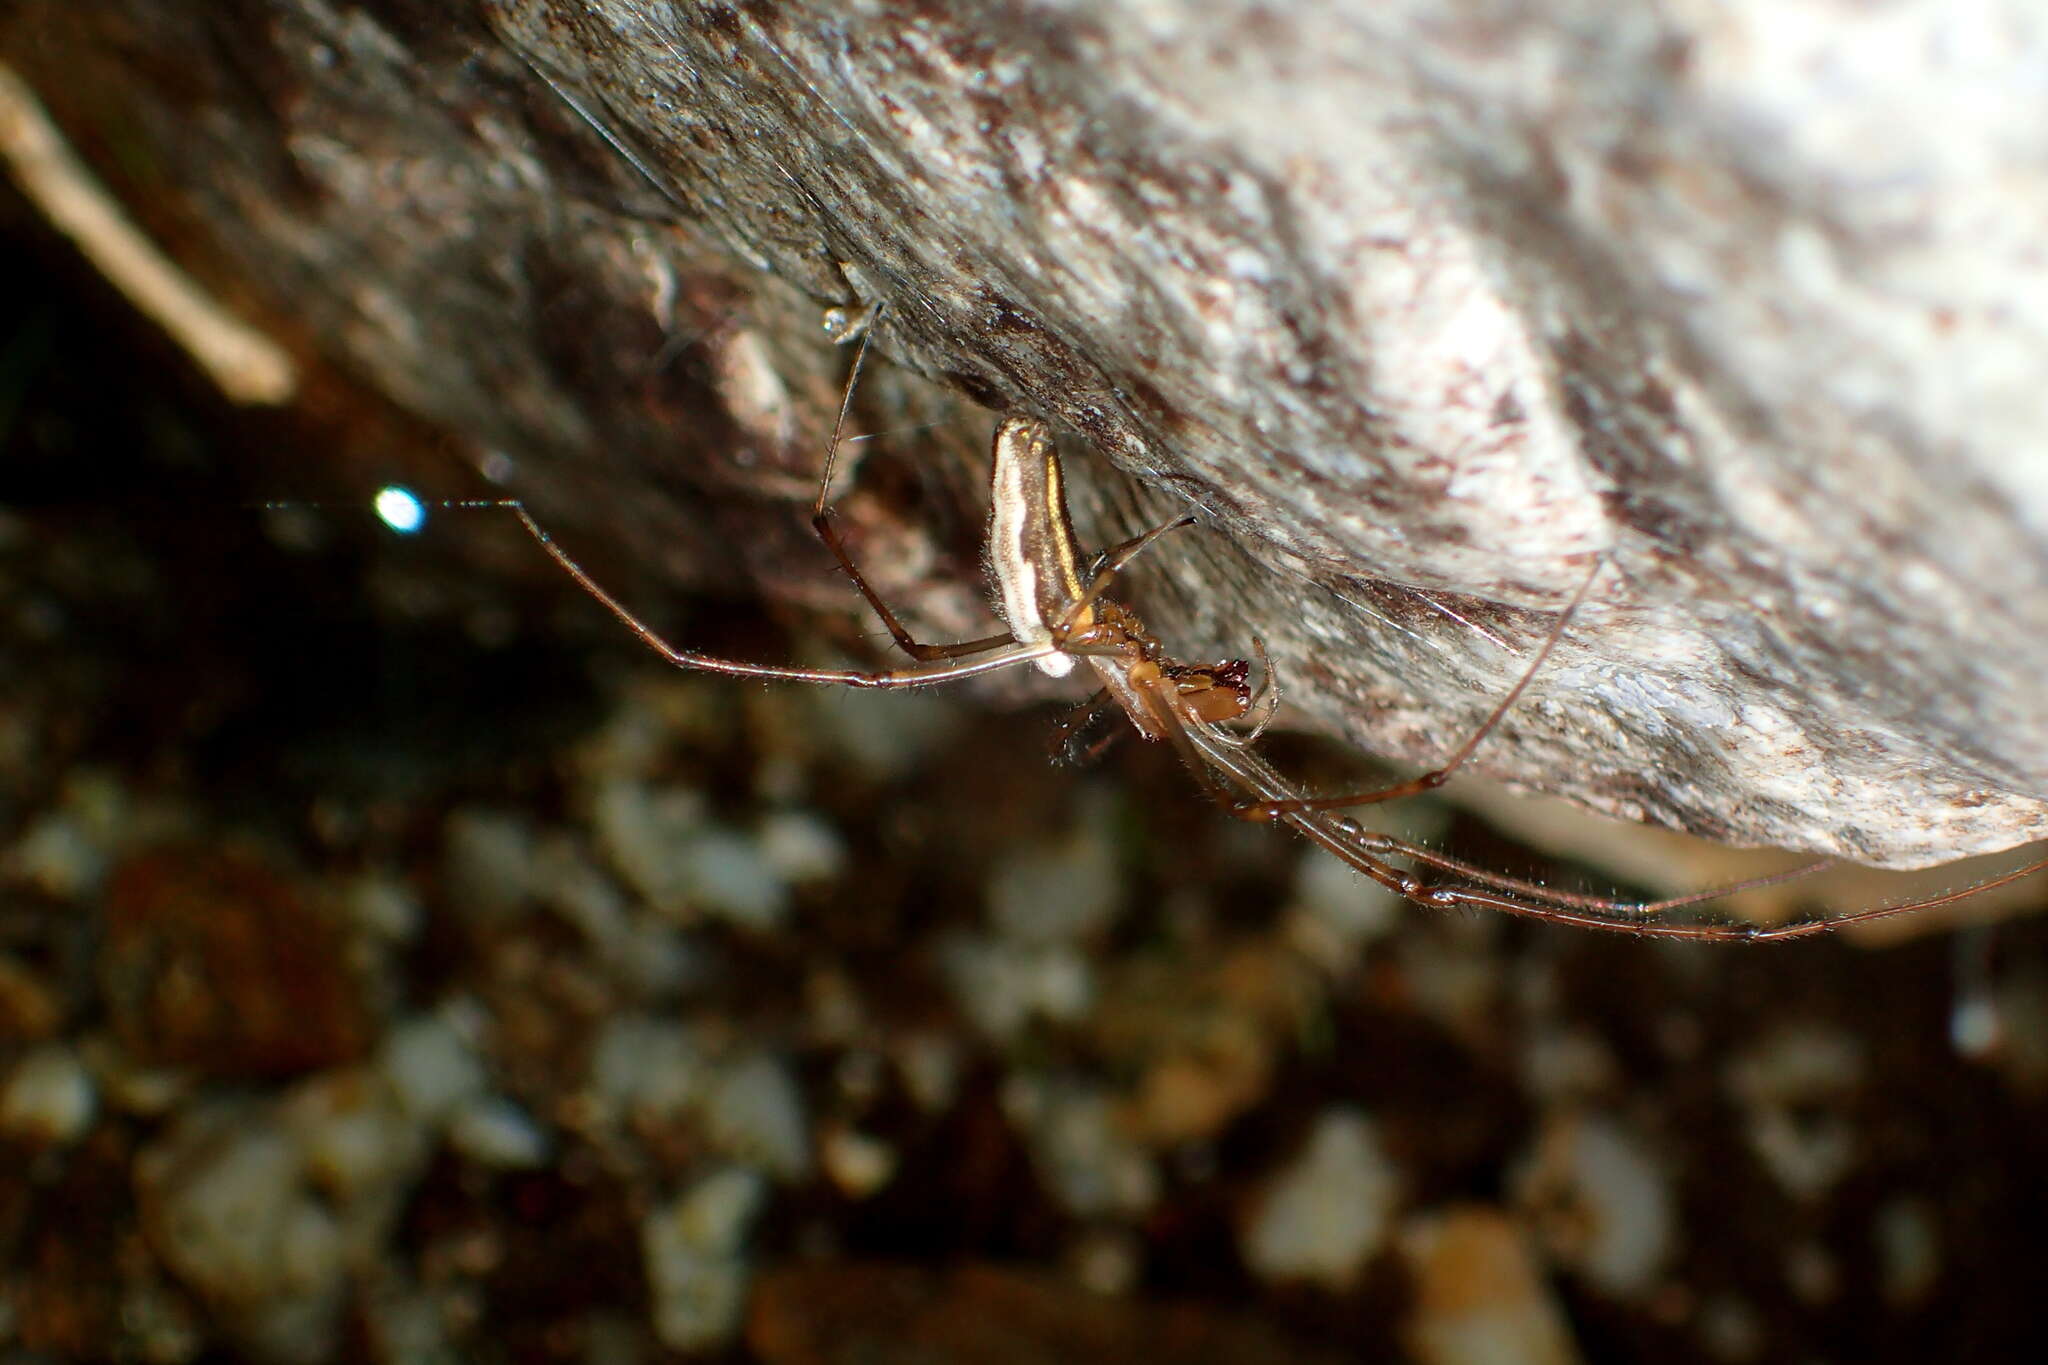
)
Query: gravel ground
[{"x": 398, "y": 965}]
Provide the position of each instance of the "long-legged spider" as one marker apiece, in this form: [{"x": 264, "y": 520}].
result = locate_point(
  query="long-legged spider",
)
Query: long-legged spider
[{"x": 1060, "y": 616}]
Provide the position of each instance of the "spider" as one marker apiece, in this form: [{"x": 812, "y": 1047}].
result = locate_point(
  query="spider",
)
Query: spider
[{"x": 1061, "y": 617}]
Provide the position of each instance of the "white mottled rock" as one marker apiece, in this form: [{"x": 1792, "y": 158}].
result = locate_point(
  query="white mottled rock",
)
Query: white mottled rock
[
  {"x": 1060, "y": 890},
  {"x": 755, "y": 1113},
  {"x": 493, "y": 1131},
  {"x": 1794, "y": 1089},
  {"x": 696, "y": 1273},
  {"x": 1328, "y": 1212},
  {"x": 1084, "y": 1156},
  {"x": 1003, "y": 986},
  {"x": 1602, "y": 1201},
  {"x": 49, "y": 1097},
  {"x": 228, "y": 1208},
  {"x": 433, "y": 1064}
]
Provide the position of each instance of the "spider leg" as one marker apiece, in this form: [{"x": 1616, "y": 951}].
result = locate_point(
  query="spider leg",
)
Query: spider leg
[
  {"x": 1003, "y": 653},
  {"x": 821, "y": 522},
  {"x": 1435, "y": 777}
]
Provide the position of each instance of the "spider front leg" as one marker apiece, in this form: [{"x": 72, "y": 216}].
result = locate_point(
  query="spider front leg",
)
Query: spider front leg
[{"x": 1008, "y": 654}]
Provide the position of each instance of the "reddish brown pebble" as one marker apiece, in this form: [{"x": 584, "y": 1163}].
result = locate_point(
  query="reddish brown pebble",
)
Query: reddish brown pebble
[{"x": 215, "y": 962}]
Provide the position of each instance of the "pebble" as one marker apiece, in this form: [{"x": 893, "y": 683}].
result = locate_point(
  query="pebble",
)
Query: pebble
[
  {"x": 885, "y": 734},
  {"x": 1813, "y": 1273},
  {"x": 487, "y": 859},
  {"x": 227, "y": 1207},
  {"x": 696, "y": 1275},
  {"x": 2020, "y": 999},
  {"x": 681, "y": 864},
  {"x": 67, "y": 852},
  {"x": 1082, "y": 1154},
  {"x": 857, "y": 1164},
  {"x": 1567, "y": 1064},
  {"x": 730, "y": 875},
  {"x": 58, "y": 855},
  {"x": 131, "y": 1087},
  {"x": 1454, "y": 976},
  {"x": 1107, "y": 1261},
  {"x": 1340, "y": 911},
  {"x": 756, "y": 1113},
  {"x": 355, "y": 1139},
  {"x": 1480, "y": 1297},
  {"x": 1602, "y": 1202},
  {"x": 930, "y": 1065},
  {"x": 1003, "y": 986},
  {"x": 1730, "y": 1329},
  {"x": 493, "y": 1131},
  {"x": 49, "y": 1097},
  {"x": 1062, "y": 890},
  {"x": 566, "y": 880},
  {"x": 640, "y": 831},
  {"x": 385, "y": 908},
  {"x": 1330, "y": 1211},
  {"x": 431, "y": 1064},
  {"x": 648, "y": 1066},
  {"x": 802, "y": 847},
  {"x": 1793, "y": 1089}
]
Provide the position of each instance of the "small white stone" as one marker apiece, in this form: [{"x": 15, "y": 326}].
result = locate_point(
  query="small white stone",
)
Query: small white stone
[
  {"x": 1003, "y": 986},
  {"x": 1794, "y": 1089},
  {"x": 657, "y": 960},
  {"x": 1060, "y": 891},
  {"x": 802, "y": 847},
  {"x": 487, "y": 857},
  {"x": 1328, "y": 1213},
  {"x": 59, "y": 856},
  {"x": 885, "y": 733},
  {"x": 493, "y": 1131},
  {"x": 1353, "y": 909},
  {"x": 2020, "y": 999},
  {"x": 650, "y": 1066},
  {"x": 1084, "y": 1156},
  {"x": 49, "y": 1097},
  {"x": 713, "y": 1218},
  {"x": 856, "y": 1163},
  {"x": 729, "y": 875},
  {"x": 385, "y": 907},
  {"x": 569, "y": 883},
  {"x": 1603, "y": 1202},
  {"x": 1560, "y": 1064},
  {"x": 354, "y": 1139},
  {"x": 132, "y": 1088},
  {"x": 406, "y": 1323},
  {"x": 756, "y": 1113},
  {"x": 431, "y": 1066},
  {"x": 696, "y": 1276},
  {"x": 930, "y": 1066},
  {"x": 641, "y": 830},
  {"x": 233, "y": 1215}
]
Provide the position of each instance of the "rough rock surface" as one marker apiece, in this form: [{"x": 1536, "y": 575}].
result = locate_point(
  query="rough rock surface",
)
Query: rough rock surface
[{"x": 1746, "y": 301}]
